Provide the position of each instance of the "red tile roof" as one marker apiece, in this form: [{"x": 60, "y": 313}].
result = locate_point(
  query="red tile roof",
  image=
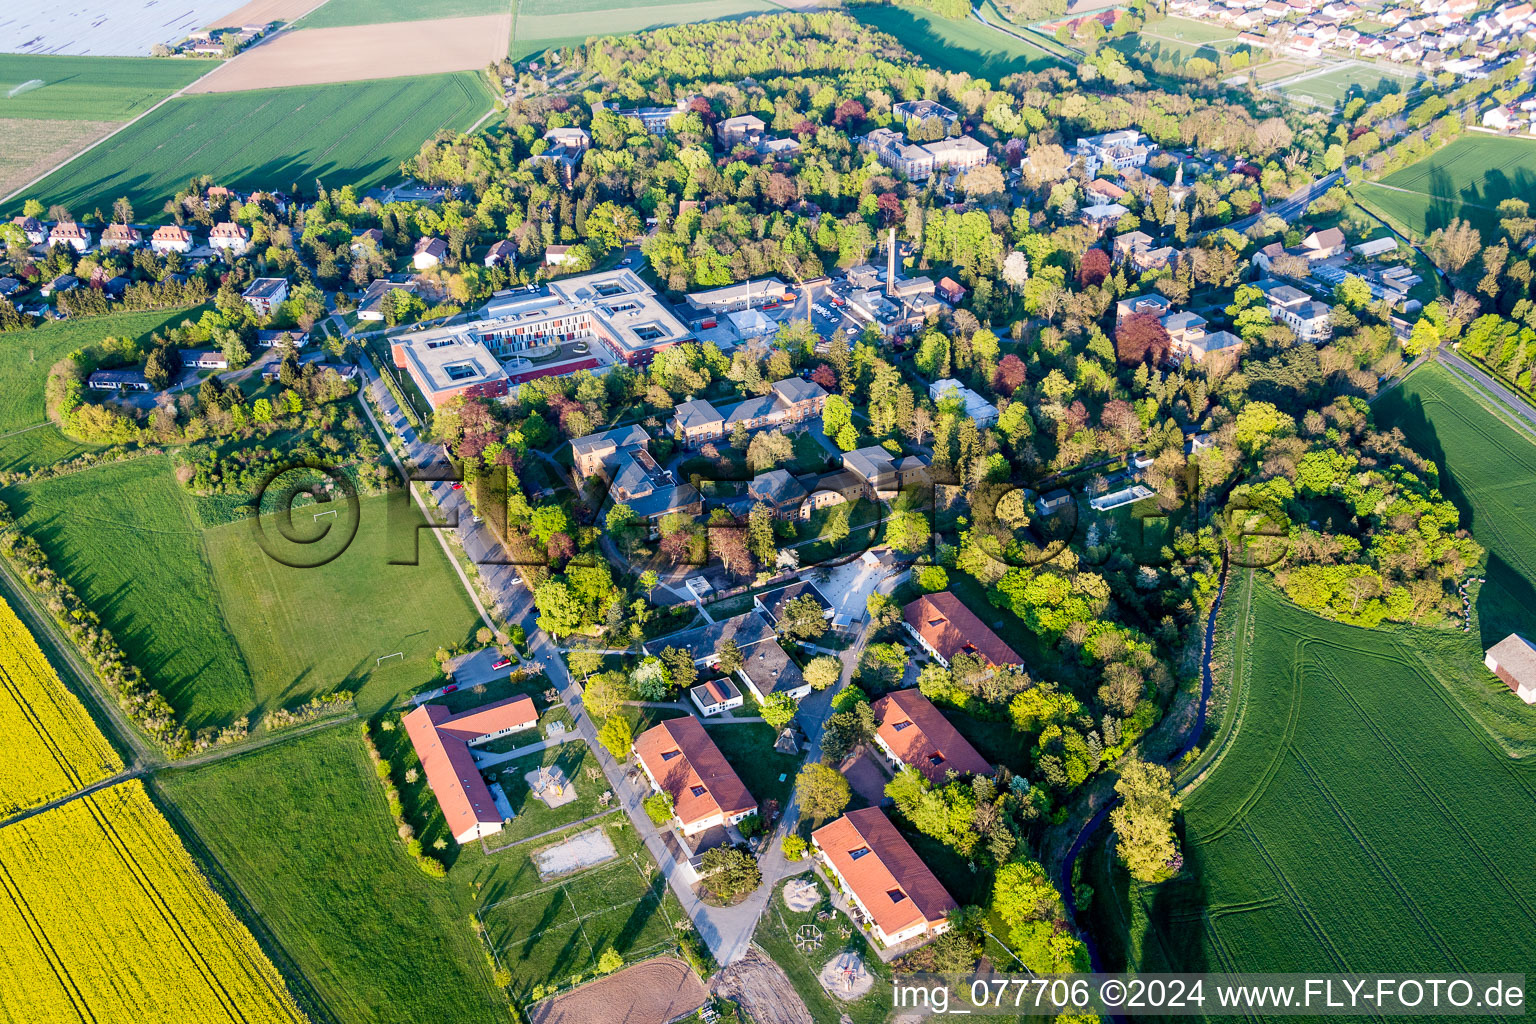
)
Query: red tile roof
[
  {"x": 950, "y": 628},
  {"x": 894, "y": 886},
  {"x": 512, "y": 713},
  {"x": 442, "y": 743},
  {"x": 917, "y": 733},
  {"x": 685, "y": 762},
  {"x": 171, "y": 233}
]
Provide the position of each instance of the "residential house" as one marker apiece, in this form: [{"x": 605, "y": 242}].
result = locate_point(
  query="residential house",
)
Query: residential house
[
  {"x": 117, "y": 380},
  {"x": 1183, "y": 328},
  {"x": 363, "y": 239},
  {"x": 1222, "y": 347},
  {"x": 883, "y": 474},
  {"x": 442, "y": 742},
  {"x": 714, "y": 696},
  {"x": 1152, "y": 303},
  {"x": 1513, "y": 660},
  {"x": 71, "y": 234},
  {"x": 892, "y": 149},
  {"x": 559, "y": 256},
  {"x": 1120, "y": 150},
  {"x": 945, "y": 627},
  {"x": 790, "y": 401},
  {"x": 1104, "y": 192},
  {"x": 767, "y": 669},
  {"x": 203, "y": 359},
  {"x": 680, "y": 759},
  {"x": 831, "y": 489},
  {"x": 696, "y": 422},
  {"x": 229, "y": 238},
  {"x": 1322, "y": 245},
  {"x": 371, "y": 306},
  {"x": 960, "y": 153},
  {"x": 924, "y": 110},
  {"x": 1130, "y": 242},
  {"x": 1103, "y": 216},
  {"x": 950, "y": 291},
  {"x": 771, "y": 603},
  {"x": 896, "y": 895},
  {"x": 265, "y": 294},
  {"x": 746, "y": 631},
  {"x": 1051, "y": 502},
  {"x": 742, "y": 130},
  {"x": 1499, "y": 119},
  {"x": 622, "y": 457},
  {"x": 170, "y": 238},
  {"x": 983, "y": 412},
  {"x": 778, "y": 490},
  {"x": 62, "y": 283},
  {"x": 121, "y": 236},
  {"x": 32, "y": 228},
  {"x": 569, "y": 137},
  {"x": 912, "y": 733},
  {"x": 503, "y": 251},
  {"x": 429, "y": 253},
  {"x": 1312, "y": 321}
]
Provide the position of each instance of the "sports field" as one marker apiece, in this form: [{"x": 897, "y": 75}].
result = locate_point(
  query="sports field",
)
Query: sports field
[
  {"x": 1361, "y": 820},
  {"x": 52, "y": 747},
  {"x": 1489, "y": 471},
  {"x": 304, "y": 828},
  {"x": 107, "y": 919},
  {"x": 1467, "y": 179},
  {"x": 339, "y": 13},
  {"x": 1335, "y": 87},
  {"x": 1207, "y": 39},
  {"x": 26, "y": 357},
  {"x": 221, "y": 628},
  {"x": 543, "y": 24},
  {"x": 949, "y": 45},
  {"x": 354, "y": 133},
  {"x": 90, "y": 88}
]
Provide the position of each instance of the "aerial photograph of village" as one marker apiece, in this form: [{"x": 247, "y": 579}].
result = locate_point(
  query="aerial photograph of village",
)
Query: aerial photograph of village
[{"x": 766, "y": 511}]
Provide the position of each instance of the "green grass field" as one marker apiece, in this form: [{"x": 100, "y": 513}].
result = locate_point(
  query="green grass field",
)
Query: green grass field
[
  {"x": 216, "y": 624},
  {"x": 748, "y": 746},
  {"x": 303, "y": 829},
  {"x": 90, "y": 88},
  {"x": 543, "y": 24},
  {"x": 1208, "y": 39},
  {"x": 26, "y": 357},
  {"x": 1361, "y": 820},
  {"x": 38, "y": 446},
  {"x": 1467, "y": 179},
  {"x": 1335, "y": 87},
  {"x": 354, "y": 133},
  {"x": 967, "y": 45},
  {"x": 339, "y": 13},
  {"x": 1489, "y": 471}
]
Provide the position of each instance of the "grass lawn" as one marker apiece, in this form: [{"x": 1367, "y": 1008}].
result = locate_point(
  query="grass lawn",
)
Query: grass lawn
[
  {"x": 776, "y": 935},
  {"x": 1467, "y": 179},
  {"x": 1335, "y": 87},
  {"x": 309, "y": 631},
  {"x": 303, "y": 830},
  {"x": 37, "y": 447},
  {"x": 1307, "y": 843},
  {"x": 356, "y": 132},
  {"x": 545, "y": 932},
  {"x": 27, "y": 356},
  {"x": 949, "y": 45},
  {"x": 997, "y": 741},
  {"x": 748, "y": 746},
  {"x": 543, "y": 24},
  {"x": 90, "y": 88},
  {"x": 339, "y": 13}
]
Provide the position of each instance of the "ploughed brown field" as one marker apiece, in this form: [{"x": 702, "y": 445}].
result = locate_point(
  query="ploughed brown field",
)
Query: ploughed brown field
[
  {"x": 316, "y": 56},
  {"x": 264, "y": 12},
  {"x": 33, "y": 146},
  {"x": 657, "y": 990}
]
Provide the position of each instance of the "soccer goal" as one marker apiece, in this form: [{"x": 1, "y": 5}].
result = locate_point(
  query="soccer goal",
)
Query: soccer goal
[
  {"x": 328, "y": 512},
  {"x": 383, "y": 658}
]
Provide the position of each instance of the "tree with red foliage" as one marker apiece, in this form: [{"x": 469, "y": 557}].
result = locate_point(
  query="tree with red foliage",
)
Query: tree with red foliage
[
  {"x": 1094, "y": 268},
  {"x": 699, "y": 105},
  {"x": 1010, "y": 375},
  {"x": 804, "y": 129},
  {"x": 560, "y": 547},
  {"x": 825, "y": 376},
  {"x": 1141, "y": 337},
  {"x": 849, "y": 113},
  {"x": 889, "y": 208}
]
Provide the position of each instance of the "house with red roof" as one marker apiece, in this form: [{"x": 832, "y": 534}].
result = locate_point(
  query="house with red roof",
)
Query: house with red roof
[
  {"x": 443, "y": 740},
  {"x": 894, "y": 893},
  {"x": 911, "y": 732},
  {"x": 944, "y": 628},
  {"x": 682, "y": 761}
]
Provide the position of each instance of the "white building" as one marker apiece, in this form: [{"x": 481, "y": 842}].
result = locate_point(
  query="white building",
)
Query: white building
[
  {"x": 1121, "y": 150},
  {"x": 983, "y": 412}
]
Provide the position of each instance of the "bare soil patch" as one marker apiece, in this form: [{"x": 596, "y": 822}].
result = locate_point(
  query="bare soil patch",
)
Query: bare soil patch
[
  {"x": 36, "y": 146},
  {"x": 844, "y": 977},
  {"x": 652, "y": 992},
  {"x": 264, "y": 12},
  {"x": 801, "y": 895},
  {"x": 579, "y": 852},
  {"x": 317, "y": 56},
  {"x": 761, "y": 988}
]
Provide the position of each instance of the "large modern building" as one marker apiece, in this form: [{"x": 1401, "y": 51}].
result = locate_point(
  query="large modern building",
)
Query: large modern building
[
  {"x": 1121, "y": 150},
  {"x": 893, "y": 891},
  {"x": 442, "y": 741},
  {"x": 449, "y": 366},
  {"x": 920, "y": 161},
  {"x": 788, "y": 402}
]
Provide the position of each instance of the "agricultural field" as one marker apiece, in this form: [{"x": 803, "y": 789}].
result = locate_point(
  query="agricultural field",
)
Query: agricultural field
[
  {"x": 52, "y": 746},
  {"x": 286, "y": 139},
  {"x": 77, "y": 951},
  {"x": 545, "y": 932},
  {"x": 1467, "y": 179},
  {"x": 343, "y": 13},
  {"x": 25, "y": 359},
  {"x": 221, "y": 628},
  {"x": 1361, "y": 819},
  {"x": 1488, "y": 469},
  {"x": 949, "y": 45},
  {"x": 544, "y": 24},
  {"x": 35, "y": 447},
  {"x": 34, "y": 146},
  {"x": 90, "y": 88},
  {"x": 304, "y": 828}
]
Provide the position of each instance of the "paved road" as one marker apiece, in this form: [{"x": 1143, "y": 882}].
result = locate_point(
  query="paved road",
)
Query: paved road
[{"x": 1513, "y": 404}]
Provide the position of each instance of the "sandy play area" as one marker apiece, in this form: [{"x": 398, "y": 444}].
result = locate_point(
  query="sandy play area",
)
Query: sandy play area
[
  {"x": 583, "y": 850},
  {"x": 313, "y": 56}
]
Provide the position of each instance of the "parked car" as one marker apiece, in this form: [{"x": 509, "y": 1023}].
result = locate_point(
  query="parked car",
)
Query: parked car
[
  {"x": 503, "y": 663},
  {"x": 450, "y": 687},
  {"x": 458, "y": 485}
]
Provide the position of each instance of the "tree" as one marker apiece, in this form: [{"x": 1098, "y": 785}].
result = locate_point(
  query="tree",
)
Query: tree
[
  {"x": 823, "y": 672},
  {"x": 609, "y": 962},
  {"x": 583, "y": 663},
  {"x": 847, "y": 438},
  {"x": 728, "y": 656},
  {"x": 768, "y": 449},
  {"x": 680, "y": 667},
  {"x": 1143, "y": 823},
  {"x": 560, "y": 614},
  {"x": 803, "y": 619},
  {"x": 605, "y": 695},
  {"x": 822, "y": 791},
  {"x": 1023, "y": 892},
  {"x": 760, "y": 535},
  {"x": 1421, "y": 339},
  {"x": 658, "y": 807},
  {"x": 730, "y": 873},
  {"x": 1141, "y": 338},
  {"x": 122, "y": 211},
  {"x": 1094, "y": 268},
  {"x": 907, "y": 531},
  {"x": 835, "y": 415},
  {"x": 835, "y": 529},
  {"x": 624, "y": 525},
  {"x": 933, "y": 578},
  {"x": 794, "y": 846},
  {"x": 617, "y": 736},
  {"x": 779, "y": 710},
  {"x": 1455, "y": 245}
]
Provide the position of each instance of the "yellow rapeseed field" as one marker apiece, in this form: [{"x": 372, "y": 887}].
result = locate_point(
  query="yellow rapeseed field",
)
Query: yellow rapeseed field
[
  {"x": 52, "y": 747},
  {"x": 107, "y": 919}
]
